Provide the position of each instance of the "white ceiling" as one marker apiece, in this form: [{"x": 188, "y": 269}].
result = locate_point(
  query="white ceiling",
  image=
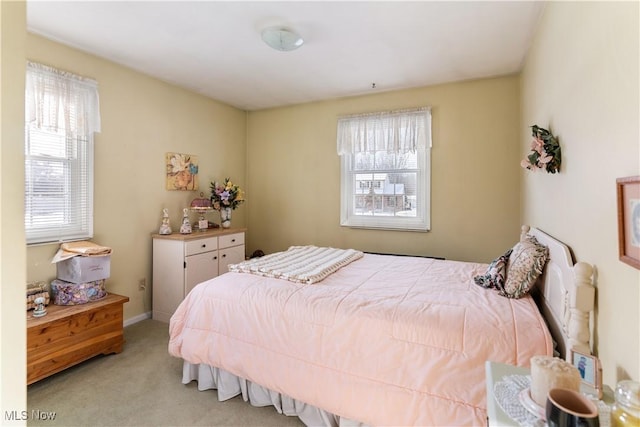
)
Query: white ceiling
[{"x": 214, "y": 47}]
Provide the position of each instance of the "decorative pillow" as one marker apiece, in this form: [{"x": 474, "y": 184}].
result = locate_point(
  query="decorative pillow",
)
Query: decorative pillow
[
  {"x": 526, "y": 262},
  {"x": 496, "y": 273}
]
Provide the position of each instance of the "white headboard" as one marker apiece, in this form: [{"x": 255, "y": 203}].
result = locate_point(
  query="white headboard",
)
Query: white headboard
[{"x": 565, "y": 294}]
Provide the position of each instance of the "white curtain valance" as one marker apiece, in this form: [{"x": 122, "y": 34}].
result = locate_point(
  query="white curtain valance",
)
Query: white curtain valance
[
  {"x": 399, "y": 131},
  {"x": 56, "y": 99}
]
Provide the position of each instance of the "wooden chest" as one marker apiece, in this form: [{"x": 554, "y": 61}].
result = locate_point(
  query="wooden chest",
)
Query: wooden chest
[{"x": 68, "y": 335}]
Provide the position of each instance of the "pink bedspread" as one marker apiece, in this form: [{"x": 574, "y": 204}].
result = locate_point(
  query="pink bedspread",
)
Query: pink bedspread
[{"x": 385, "y": 341}]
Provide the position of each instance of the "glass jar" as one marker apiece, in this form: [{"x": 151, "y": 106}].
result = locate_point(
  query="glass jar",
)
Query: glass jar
[{"x": 626, "y": 409}]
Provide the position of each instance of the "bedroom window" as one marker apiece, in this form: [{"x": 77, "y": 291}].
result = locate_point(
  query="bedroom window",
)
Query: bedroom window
[
  {"x": 385, "y": 170},
  {"x": 61, "y": 115}
]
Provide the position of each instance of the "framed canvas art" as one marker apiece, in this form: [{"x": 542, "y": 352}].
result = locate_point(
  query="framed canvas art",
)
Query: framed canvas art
[
  {"x": 628, "y": 190},
  {"x": 181, "y": 171}
]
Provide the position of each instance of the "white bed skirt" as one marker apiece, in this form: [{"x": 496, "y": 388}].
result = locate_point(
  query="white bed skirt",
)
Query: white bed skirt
[{"x": 229, "y": 386}]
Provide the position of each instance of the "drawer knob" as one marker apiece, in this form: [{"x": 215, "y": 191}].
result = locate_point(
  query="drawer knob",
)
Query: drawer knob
[
  {"x": 224, "y": 255},
  {"x": 204, "y": 245},
  {"x": 215, "y": 257},
  {"x": 233, "y": 240}
]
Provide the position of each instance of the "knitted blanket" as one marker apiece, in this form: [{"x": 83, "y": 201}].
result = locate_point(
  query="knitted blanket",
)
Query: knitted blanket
[{"x": 299, "y": 264}]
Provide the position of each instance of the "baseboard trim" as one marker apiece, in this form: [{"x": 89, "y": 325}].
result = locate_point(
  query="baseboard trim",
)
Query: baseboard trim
[{"x": 136, "y": 319}]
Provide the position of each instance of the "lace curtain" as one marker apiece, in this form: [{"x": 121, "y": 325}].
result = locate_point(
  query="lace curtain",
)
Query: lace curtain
[
  {"x": 399, "y": 132},
  {"x": 56, "y": 99}
]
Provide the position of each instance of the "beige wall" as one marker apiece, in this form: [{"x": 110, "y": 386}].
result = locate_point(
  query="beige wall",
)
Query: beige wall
[
  {"x": 142, "y": 119},
  {"x": 581, "y": 79},
  {"x": 12, "y": 250},
  {"x": 294, "y": 173}
]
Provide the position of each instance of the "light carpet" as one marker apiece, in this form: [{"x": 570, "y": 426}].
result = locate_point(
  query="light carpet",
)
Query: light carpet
[{"x": 139, "y": 387}]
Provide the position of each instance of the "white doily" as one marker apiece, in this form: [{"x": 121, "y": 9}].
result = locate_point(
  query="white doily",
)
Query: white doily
[{"x": 507, "y": 394}]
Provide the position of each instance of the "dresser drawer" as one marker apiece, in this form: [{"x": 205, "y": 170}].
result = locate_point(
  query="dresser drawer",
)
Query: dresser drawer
[
  {"x": 231, "y": 240},
  {"x": 199, "y": 246}
]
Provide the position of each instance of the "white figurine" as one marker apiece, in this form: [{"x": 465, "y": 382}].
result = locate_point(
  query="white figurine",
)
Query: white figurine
[
  {"x": 40, "y": 309},
  {"x": 165, "y": 228},
  {"x": 185, "y": 228}
]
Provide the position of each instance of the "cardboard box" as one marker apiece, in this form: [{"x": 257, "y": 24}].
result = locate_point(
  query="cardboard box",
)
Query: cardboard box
[{"x": 84, "y": 269}]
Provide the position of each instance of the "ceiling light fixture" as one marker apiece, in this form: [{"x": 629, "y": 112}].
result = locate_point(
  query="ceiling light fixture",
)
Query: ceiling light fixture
[{"x": 282, "y": 39}]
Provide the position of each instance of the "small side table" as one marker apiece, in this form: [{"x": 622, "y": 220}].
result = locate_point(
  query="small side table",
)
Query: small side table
[{"x": 497, "y": 417}]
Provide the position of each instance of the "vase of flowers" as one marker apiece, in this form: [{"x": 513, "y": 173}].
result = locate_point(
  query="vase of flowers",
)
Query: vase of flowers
[
  {"x": 225, "y": 197},
  {"x": 545, "y": 152},
  {"x": 225, "y": 217}
]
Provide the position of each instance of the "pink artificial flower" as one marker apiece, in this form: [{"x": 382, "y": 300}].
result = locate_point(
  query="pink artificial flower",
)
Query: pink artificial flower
[
  {"x": 525, "y": 164},
  {"x": 544, "y": 158},
  {"x": 537, "y": 145}
]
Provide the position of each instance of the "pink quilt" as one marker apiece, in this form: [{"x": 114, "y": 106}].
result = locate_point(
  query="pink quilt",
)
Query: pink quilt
[{"x": 385, "y": 341}]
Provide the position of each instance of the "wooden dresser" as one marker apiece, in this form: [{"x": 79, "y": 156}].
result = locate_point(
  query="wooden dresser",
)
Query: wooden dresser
[{"x": 68, "y": 335}]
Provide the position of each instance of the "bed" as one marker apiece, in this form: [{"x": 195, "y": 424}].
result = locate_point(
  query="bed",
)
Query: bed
[{"x": 382, "y": 340}]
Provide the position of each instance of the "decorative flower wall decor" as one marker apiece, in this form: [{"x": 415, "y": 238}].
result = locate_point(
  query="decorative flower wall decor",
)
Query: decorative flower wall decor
[
  {"x": 226, "y": 195},
  {"x": 545, "y": 151},
  {"x": 182, "y": 171}
]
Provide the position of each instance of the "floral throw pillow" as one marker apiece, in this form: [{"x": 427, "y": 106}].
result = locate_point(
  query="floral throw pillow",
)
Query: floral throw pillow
[
  {"x": 496, "y": 273},
  {"x": 526, "y": 262}
]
